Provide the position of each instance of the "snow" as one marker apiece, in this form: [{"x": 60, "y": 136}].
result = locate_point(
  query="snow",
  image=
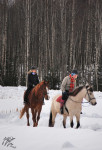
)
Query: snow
[{"x": 88, "y": 136}]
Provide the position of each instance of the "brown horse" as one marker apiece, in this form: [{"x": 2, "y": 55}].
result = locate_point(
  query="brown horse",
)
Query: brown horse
[{"x": 36, "y": 96}]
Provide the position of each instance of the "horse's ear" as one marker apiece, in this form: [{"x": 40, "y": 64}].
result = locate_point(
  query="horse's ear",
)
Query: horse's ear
[
  {"x": 46, "y": 82},
  {"x": 87, "y": 85}
]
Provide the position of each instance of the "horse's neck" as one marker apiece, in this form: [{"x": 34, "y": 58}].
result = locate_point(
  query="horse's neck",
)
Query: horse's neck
[
  {"x": 79, "y": 97},
  {"x": 38, "y": 90}
]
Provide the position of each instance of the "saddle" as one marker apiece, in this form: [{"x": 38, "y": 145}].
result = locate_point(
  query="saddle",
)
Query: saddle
[{"x": 59, "y": 99}]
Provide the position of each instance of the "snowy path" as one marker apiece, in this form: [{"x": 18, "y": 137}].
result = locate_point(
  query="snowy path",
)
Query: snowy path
[{"x": 89, "y": 136}]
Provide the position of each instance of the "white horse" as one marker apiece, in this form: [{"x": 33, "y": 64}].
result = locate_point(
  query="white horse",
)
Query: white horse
[{"x": 73, "y": 105}]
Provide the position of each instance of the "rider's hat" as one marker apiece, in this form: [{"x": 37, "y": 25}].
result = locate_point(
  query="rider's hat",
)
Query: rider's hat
[
  {"x": 33, "y": 67},
  {"x": 75, "y": 72}
]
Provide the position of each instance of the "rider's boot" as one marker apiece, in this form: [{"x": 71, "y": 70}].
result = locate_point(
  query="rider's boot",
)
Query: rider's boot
[{"x": 61, "y": 106}]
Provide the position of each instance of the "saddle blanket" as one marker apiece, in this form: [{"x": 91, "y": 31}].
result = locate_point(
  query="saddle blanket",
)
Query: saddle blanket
[{"x": 59, "y": 99}]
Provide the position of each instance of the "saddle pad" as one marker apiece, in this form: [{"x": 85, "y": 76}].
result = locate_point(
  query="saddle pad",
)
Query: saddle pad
[{"x": 59, "y": 99}]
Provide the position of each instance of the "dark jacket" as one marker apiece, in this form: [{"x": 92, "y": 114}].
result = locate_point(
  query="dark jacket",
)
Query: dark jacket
[{"x": 32, "y": 79}]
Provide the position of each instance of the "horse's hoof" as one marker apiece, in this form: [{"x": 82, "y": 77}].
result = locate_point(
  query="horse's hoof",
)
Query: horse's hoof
[{"x": 35, "y": 125}]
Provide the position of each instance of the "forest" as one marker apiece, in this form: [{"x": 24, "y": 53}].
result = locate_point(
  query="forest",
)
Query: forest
[{"x": 56, "y": 36}]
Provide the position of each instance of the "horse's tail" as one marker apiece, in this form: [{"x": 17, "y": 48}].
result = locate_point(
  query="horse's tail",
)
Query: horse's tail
[
  {"x": 22, "y": 112},
  {"x": 50, "y": 119}
]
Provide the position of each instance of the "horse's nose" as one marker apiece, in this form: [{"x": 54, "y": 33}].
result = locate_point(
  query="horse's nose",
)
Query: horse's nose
[{"x": 95, "y": 103}]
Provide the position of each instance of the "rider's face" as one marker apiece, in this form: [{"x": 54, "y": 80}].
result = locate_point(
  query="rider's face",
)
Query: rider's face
[
  {"x": 34, "y": 70},
  {"x": 75, "y": 76}
]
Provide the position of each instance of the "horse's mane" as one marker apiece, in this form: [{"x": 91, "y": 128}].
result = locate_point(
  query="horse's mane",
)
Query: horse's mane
[
  {"x": 76, "y": 91},
  {"x": 35, "y": 89}
]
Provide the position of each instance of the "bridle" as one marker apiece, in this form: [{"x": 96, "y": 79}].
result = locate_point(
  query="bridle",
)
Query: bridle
[
  {"x": 89, "y": 95},
  {"x": 45, "y": 91}
]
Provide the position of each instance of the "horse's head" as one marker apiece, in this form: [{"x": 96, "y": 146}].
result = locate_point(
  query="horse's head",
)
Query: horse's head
[
  {"x": 46, "y": 89},
  {"x": 90, "y": 96}
]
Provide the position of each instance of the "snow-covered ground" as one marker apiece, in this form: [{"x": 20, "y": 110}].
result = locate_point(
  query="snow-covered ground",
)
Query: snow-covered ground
[{"x": 14, "y": 134}]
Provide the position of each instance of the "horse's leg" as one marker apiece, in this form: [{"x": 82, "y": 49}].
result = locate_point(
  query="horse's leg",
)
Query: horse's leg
[
  {"x": 53, "y": 118},
  {"x": 71, "y": 121},
  {"x": 78, "y": 120},
  {"x": 38, "y": 117},
  {"x": 27, "y": 115},
  {"x": 64, "y": 121},
  {"x": 32, "y": 110},
  {"x": 35, "y": 117},
  {"x": 50, "y": 119}
]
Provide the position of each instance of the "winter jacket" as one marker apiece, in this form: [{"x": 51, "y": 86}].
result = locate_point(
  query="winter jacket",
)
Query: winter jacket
[
  {"x": 66, "y": 84},
  {"x": 32, "y": 79}
]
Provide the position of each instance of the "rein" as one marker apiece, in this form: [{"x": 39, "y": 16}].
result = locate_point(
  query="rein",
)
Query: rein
[
  {"x": 85, "y": 96},
  {"x": 77, "y": 102}
]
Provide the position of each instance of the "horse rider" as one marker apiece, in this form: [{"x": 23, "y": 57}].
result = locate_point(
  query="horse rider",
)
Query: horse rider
[
  {"x": 33, "y": 80},
  {"x": 68, "y": 85}
]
